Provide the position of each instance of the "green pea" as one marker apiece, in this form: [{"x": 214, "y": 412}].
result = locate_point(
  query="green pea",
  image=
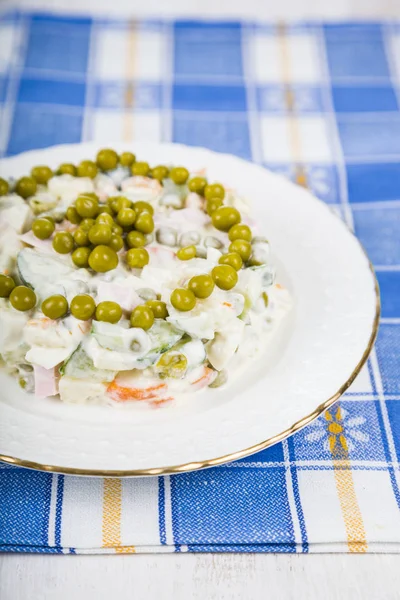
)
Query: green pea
[
  {"x": 100, "y": 234},
  {"x": 55, "y": 307},
  {"x": 137, "y": 258},
  {"x": 240, "y": 232},
  {"x": 107, "y": 159},
  {"x": 186, "y": 253},
  {"x": 135, "y": 239},
  {"x": 7, "y": 284},
  {"x": 197, "y": 185},
  {"x": 86, "y": 224},
  {"x": 86, "y": 206},
  {"x": 159, "y": 308},
  {"x": 22, "y": 298},
  {"x": 117, "y": 229},
  {"x": 67, "y": 169},
  {"x": 42, "y": 174},
  {"x": 202, "y": 286},
  {"x": 73, "y": 216},
  {"x": 233, "y": 259},
  {"x": 103, "y": 259},
  {"x": 142, "y": 316},
  {"x": 63, "y": 242},
  {"x": 91, "y": 195},
  {"x": 127, "y": 159},
  {"x": 87, "y": 168},
  {"x": 26, "y": 187},
  {"x": 140, "y": 169},
  {"x": 119, "y": 203},
  {"x": 212, "y": 205},
  {"x": 116, "y": 242},
  {"x": 179, "y": 175},
  {"x": 141, "y": 206},
  {"x": 225, "y": 277},
  {"x": 242, "y": 247},
  {"x": 111, "y": 312},
  {"x": 80, "y": 257},
  {"x": 81, "y": 237},
  {"x": 126, "y": 217},
  {"x": 224, "y": 217},
  {"x": 105, "y": 209},
  {"x": 43, "y": 228},
  {"x": 83, "y": 307},
  {"x": 105, "y": 219},
  {"x": 4, "y": 187},
  {"x": 182, "y": 299},
  {"x": 144, "y": 222},
  {"x": 214, "y": 190},
  {"x": 160, "y": 172}
]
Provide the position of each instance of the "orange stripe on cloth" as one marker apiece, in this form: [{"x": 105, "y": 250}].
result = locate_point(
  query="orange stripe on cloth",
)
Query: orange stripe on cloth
[
  {"x": 128, "y": 128},
  {"x": 351, "y": 513},
  {"x": 292, "y": 119},
  {"x": 112, "y": 513}
]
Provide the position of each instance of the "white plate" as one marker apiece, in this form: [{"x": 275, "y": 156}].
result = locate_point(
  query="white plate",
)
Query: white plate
[{"x": 319, "y": 349}]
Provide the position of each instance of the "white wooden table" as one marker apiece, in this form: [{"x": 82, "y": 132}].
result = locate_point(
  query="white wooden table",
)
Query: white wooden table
[{"x": 207, "y": 577}]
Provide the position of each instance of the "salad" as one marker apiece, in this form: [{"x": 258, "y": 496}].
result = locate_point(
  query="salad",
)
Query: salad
[{"x": 120, "y": 282}]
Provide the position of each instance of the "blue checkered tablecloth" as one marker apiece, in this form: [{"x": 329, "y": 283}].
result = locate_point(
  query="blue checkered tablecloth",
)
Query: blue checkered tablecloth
[{"x": 316, "y": 102}]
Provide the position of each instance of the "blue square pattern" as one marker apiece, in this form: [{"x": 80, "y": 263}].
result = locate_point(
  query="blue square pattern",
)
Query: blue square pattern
[
  {"x": 38, "y": 127},
  {"x": 365, "y": 98},
  {"x": 392, "y": 407},
  {"x": 231, "y": 505},
  {"x": 58, "y": 44},
  {"x": 209, "y": 97},
  {"x": 46, "y": 91},
  {"x": 269, "y": 455},
  {"x": 378, "y": 231},
  {"x": 372, "y": 182},
  {"x": 388, "y": 353},
  {"x": 389, "y": 284},
  {"x": 111, "y": 94},
  {"x": 374, "y": 136},
  {"x": 222, "y": 134},
  {"x": 306, "y": 99},
  {"x": 25, "y": 504},
  {"x": 207, "y": 50},
  {"x": 3, "y": 88},
  {"x": 356, "y": 51},
  {"x": 357, "y": 421}
]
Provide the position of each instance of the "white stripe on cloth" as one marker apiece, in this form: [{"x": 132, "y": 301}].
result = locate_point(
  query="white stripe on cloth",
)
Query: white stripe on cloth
[
  {"x": 52, "y": 511},
  {"x": 290, "y": 493},
  {"x": 168, "y": 510},
  {"x": 81, "y": 525},
  {"x": 139, "y": 522}
]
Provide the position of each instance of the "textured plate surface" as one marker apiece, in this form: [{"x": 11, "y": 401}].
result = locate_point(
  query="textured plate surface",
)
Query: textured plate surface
[{"x": 319, "y": 350}]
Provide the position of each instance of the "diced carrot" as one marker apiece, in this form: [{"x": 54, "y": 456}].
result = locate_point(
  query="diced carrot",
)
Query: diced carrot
[
  {"x": 43, "y": 321},
  {"x": 122, "y": 394},
  {"x": 159, "y": 402},
  {"x": 201, "y": 172},
  {"x": 84, "y": 326},
  {"x": 279, "y": 286},
  {"x": 227, "y": 304},
  {"x": 206, "y": 375}
]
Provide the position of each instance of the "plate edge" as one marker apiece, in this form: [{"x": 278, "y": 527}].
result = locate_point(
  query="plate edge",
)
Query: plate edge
[{"x": 198, "y": 465}]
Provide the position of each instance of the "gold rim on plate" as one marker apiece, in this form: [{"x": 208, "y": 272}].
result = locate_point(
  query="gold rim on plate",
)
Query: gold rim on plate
[{"x": 213, "y": 462}]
